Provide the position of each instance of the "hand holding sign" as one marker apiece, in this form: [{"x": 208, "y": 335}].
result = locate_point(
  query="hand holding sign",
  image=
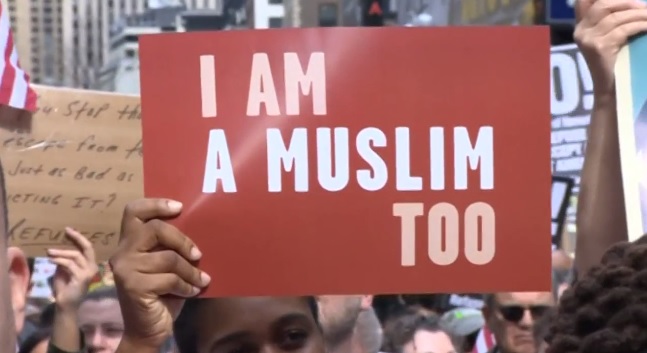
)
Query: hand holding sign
[
  {"x": 151, "y": 263},
  {"x": 604, "y": 27}
]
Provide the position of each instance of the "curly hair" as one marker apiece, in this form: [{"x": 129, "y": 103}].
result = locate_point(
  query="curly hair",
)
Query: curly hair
[{"x": 605, "y": 311}]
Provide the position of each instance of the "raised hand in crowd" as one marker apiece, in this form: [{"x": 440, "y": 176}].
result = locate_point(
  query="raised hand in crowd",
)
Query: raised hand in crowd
[
  {"x": 603, "y": 27},
  {"x": 75, "y": 269},
  {"x": 153, "y": 270}
]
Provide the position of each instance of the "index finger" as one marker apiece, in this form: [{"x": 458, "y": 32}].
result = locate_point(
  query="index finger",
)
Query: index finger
[
  {"x": 169, "y": 237},
  {"x": 147, "y": 209},
  {"x": 581, "y": 7},
  {"x": 81, "y": 242}
]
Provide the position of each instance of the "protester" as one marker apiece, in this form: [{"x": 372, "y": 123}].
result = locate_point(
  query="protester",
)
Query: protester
[
  {"x": 100, "y": 320},
  {"x": 562, "y": 267},
  {"x": 511, "y": 317},
  {"x": 37, "y": 342},
  {"x": 367, "y": 334},
  {"x": 338, "y": 315},
  {"x": 542, "y": 329},
  {"x": 606, "y": 310},
  {"x": 14, "y": 282},
  {"x": 75, "y": 268},
  {"x": 155, "y": 260},
  {"x": 603, "y": 28},
  {"x": 463, "y": 326},
  {"x": 17, "y": 101},
  {"x": 411, "y": 332}
]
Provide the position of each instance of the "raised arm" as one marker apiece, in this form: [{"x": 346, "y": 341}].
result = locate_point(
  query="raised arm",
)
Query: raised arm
[{"x": 603, "y": 28}]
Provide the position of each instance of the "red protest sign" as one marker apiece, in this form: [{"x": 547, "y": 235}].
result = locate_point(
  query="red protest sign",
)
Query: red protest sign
[{"x": 345, "y": 161}]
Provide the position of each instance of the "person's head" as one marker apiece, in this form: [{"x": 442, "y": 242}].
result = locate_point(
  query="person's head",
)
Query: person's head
[
  {"x": 100, "y": 320},
  {"x": 561, "y": 260},
  {"x": 411, "y": 332},
  {"x": 249, "y": 324},
  {"x": 463, "y": 326},
  {"x": 17, "y": 267},
  {"x": 36, "y": 342},
  {"x": 511, "y": 317},
  {"x": 561, "y": 282},
  {"x": 338, "y": 315},
  {"x": 605, "y": 311},
  {"x": 541, "y": 329},
  {"x": 367, "y": 335}
]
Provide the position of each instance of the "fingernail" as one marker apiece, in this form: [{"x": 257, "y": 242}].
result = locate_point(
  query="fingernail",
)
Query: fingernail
[
  {"x": 195, "y": 254},
  {"x": 195, "y": 291},
  {"x": 174, "y": 206},
  {"x": 205, "y": 278}
]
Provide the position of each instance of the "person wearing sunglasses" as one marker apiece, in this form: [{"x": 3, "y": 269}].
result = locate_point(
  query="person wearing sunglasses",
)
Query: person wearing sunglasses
[{"x": 512, "y": 316}]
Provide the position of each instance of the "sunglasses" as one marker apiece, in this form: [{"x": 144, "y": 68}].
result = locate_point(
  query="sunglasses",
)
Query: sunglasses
[{"x": 514, "y": 313}]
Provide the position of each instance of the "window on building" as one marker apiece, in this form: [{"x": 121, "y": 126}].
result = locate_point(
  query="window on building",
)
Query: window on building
[
  {"x": 276, "y": 22},
  {"x": 328, "y": 16}
]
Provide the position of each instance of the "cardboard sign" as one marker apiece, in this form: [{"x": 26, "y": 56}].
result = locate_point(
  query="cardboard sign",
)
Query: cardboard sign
[
  {"x": 77, "y": 165},
  {"x": 318, "y": 161}
]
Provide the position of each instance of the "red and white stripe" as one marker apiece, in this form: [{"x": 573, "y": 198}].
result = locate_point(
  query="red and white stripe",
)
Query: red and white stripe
[
  {"x": 14, "y": 81},
  {"x": 484, "y": 341}
]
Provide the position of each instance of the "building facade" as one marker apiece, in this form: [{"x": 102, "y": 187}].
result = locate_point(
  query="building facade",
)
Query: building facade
[
  {"x": 66, "y": 42},
  {"x": 322, "y": 13},
  {"x": 266, "y": 13},
  {"x": 121, "y": 71}
]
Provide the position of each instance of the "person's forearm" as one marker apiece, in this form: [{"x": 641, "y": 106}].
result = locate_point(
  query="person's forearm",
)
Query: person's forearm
[
  {"x": 601, "y": 218},
  {"x": 65, "y": 329}
]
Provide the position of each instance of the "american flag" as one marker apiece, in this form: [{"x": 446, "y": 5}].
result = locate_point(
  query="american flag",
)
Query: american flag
[
  {"x": 15, "y": 91},
  {"x": 484, "y": 341}
]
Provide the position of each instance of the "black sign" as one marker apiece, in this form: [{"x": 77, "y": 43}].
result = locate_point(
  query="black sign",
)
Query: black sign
[{"x": 560, "y": 196}]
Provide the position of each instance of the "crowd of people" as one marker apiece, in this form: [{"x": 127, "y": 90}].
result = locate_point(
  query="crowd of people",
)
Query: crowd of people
[{"x": 598, "y": 302}]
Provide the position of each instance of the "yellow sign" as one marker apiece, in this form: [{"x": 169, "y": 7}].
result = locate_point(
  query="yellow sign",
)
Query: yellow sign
[{"x": 497, "y": 12}]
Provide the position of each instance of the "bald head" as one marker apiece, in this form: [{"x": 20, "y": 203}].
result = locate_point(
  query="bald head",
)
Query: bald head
[{"x": 561, "y": 260}]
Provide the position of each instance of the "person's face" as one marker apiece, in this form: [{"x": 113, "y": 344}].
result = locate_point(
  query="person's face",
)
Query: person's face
[
  {"x": 512, "y": 318},
  {"x": 338, "y": 315},
  {"x": 41, "y": 347},
  {"x": 101, "y": 324},
  {"x": 257, "y": 325},
  {"x": 429, "y": 342}
]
